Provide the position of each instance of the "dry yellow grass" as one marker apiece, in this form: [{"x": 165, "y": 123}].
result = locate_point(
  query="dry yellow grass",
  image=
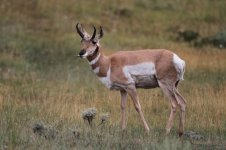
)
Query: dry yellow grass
[
  {"x": 204, "y": 102},
  {"x": 54, "y": 102}
]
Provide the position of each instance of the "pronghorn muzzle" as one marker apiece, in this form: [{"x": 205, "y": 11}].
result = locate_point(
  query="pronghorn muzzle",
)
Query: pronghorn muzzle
[{"x": 81, "y": 53}]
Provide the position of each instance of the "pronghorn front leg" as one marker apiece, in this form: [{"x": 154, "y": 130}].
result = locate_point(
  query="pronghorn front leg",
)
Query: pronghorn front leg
[
  {"x": 131, "y": 90},
  {"x": 123, "y": 108}
]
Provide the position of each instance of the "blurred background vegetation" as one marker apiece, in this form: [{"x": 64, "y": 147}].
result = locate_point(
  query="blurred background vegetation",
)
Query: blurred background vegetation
[
  {"x": 41, "y": 79},
  {"x": 42, "y": 33}
]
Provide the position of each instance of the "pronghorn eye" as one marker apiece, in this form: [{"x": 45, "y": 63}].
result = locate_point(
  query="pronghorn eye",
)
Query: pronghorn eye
[{"x": 94, "y": 42}]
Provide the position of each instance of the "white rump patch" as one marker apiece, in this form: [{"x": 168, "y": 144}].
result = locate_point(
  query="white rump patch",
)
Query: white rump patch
[
  {"x": 106, "y": 80},
  {"x": 180, "y": 66},
  {"x": 142, "y": 69}
]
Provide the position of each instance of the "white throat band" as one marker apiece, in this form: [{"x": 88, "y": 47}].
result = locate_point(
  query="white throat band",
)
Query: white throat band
[{"x": 95, "y": 60}]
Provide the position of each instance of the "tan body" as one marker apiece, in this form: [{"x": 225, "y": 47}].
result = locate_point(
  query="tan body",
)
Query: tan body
[
  {"x": 127, "y": 70},
  {"x": 162, "y": 60}
]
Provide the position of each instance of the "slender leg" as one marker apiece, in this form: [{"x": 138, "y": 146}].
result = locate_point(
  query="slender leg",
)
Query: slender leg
[
  {"x": 182, "y": 104},
  {"x": 123, "y": 108},
  {"x": 171, "y": 117},
  {"x": 133, "y": 94},
  {"x": 171, "y": 96}
]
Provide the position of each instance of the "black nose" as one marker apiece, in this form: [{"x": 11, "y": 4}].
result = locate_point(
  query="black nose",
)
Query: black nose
[{"x": 82, "y": 52}]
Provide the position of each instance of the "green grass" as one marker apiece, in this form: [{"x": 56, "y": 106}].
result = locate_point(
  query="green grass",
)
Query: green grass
[{"x": 41, "y": 80}]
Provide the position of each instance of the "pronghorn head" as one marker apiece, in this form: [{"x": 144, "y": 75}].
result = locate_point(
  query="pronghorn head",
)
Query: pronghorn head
[{"x": 89, "y": 45}]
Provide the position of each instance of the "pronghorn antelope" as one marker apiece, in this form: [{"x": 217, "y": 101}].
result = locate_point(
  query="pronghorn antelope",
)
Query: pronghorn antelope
[{"x": 127, "y": 70}]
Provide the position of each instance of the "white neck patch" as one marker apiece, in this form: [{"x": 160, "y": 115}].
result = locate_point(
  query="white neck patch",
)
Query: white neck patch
[
  {"x": 95, "y": 60},
  {"x": 96, "y": 70}
]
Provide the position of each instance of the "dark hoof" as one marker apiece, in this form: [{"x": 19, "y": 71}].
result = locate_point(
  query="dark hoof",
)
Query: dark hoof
[{"x": 180, "y": 134}]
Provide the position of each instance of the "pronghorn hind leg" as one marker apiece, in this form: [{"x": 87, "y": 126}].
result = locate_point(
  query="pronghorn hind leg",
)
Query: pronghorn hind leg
[
  {"x": 168, "y": 91},
  {"x": 123, "y": 107},
  {"x": 131, "y": 90},
  {"x": 182, "y": 105}
]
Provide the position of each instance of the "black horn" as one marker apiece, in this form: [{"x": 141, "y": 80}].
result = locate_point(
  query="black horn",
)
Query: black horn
[
  {"x": 79, "y": 31},
  {"x": 101, "y": 33},
  {"x": 94, "y": 33}
]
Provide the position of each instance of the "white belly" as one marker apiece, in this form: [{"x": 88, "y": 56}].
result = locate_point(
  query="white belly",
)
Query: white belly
[{"x": 142, "y": 75}]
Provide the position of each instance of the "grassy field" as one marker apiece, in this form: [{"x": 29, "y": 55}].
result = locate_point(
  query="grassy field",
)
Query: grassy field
[{"x": 41, "y": 80}]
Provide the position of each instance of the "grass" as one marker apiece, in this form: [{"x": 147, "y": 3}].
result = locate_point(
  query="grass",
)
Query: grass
[{"x": 41, "y": 80}]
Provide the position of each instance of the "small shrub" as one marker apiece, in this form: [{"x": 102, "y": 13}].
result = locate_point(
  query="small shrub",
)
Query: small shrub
[
  {"x": 219, "y": 40},
  {"x": 89, "y": 114},
  {"x": 42, "y": 130},
  {"x": 104, "y": 117}
]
